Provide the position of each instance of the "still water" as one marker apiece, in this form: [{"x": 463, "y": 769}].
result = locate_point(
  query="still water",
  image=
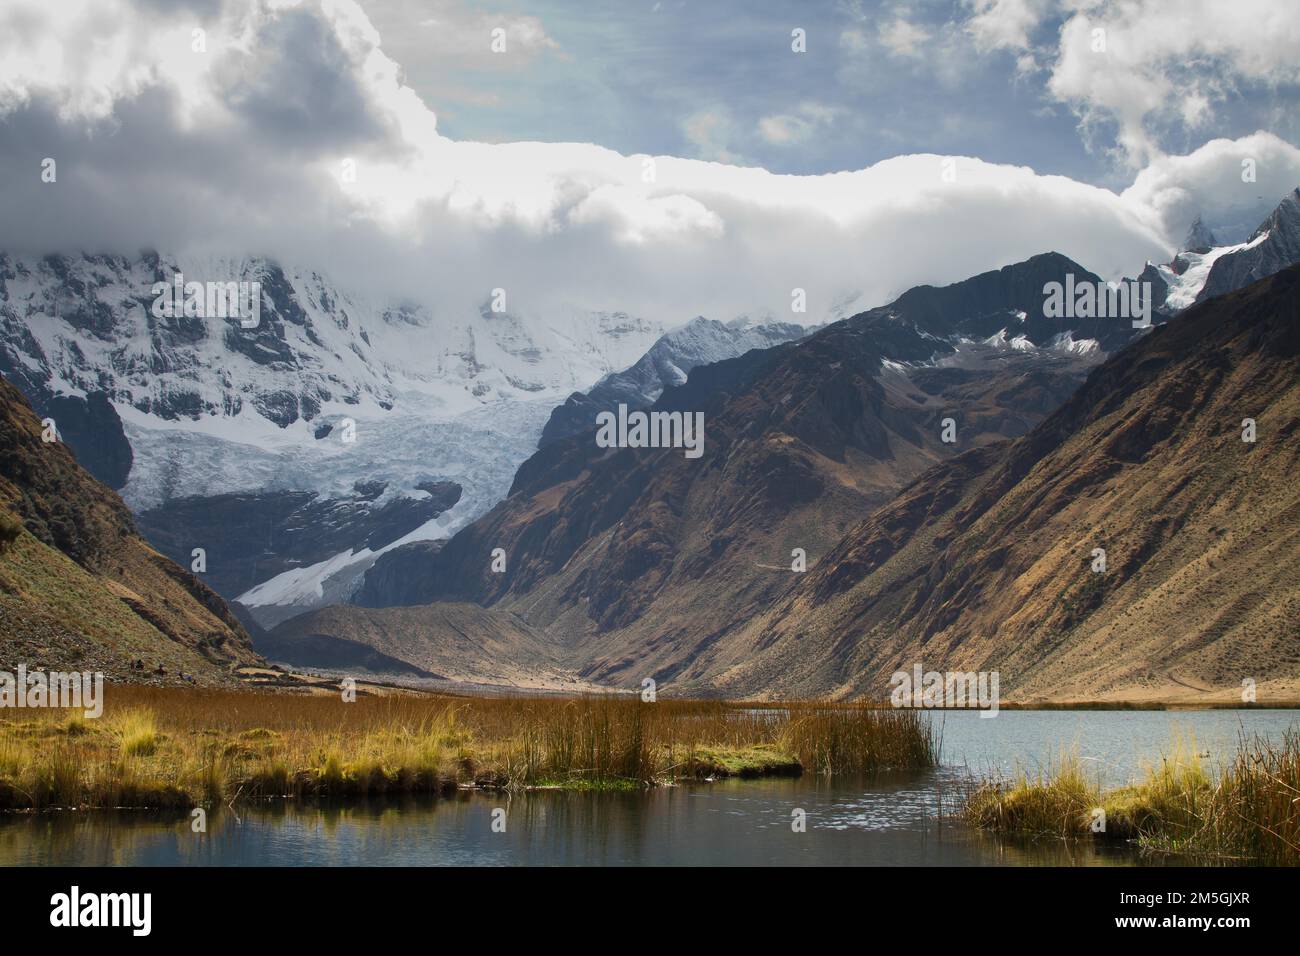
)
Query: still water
[{"x": 892, "y": 819}]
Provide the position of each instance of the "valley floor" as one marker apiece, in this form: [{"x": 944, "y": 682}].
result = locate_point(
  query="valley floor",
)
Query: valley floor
[{"x": 1168, "y": 693}]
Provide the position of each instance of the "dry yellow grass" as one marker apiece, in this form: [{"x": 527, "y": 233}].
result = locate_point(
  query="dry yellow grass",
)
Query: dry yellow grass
[
  {"x": 1248, "y": 810},
  {"x": 175, "y": 747}
]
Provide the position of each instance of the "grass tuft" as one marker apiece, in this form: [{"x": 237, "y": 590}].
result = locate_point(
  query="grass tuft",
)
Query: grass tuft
[
  {"x": 1249, "y": 810},
  {"x": 137, "y": 731}
]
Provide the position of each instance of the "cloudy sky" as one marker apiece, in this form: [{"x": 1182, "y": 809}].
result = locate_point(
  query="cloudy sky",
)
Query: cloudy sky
[
  {"x": 998, "y": 80},
  {"x": 664, "y": 157}
]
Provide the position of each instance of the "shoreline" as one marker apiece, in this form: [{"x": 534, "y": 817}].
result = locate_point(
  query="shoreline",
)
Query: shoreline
[{"x": 290, "y": 680}]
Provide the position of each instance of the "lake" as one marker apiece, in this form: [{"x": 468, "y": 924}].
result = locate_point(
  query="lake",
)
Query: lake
[{"x": 883, "y": 820}]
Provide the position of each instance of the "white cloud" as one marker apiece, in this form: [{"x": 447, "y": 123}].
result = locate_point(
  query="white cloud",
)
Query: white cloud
[
  {"x": 156, "y": 150},
  {"x": 1169, "y": 61},
  {"x": 84, "y": 55},
  {"x": 854, "y": 40},
  {"x": 1134, "y": 70},
  {"x": 452, "y": 32},
  {"x": 635, "y": 216},
  {"x": 1005, "y": 24},
  {"x": 1209, "y": 183},
  {"x": 787, "y": 129},
  {"x": 710, "y": 132},
  {"x": 901, "y": 37}
]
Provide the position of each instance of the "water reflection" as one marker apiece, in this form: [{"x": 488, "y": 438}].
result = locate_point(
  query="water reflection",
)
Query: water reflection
[
  {"x": 882, "y": 820},
  {"x": 896, "y": 822}
]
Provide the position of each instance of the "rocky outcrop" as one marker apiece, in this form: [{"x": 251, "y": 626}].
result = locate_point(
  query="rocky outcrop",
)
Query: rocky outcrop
[
  {"x": 249, "y": 538},
  {"x": 394, "y": 578}
]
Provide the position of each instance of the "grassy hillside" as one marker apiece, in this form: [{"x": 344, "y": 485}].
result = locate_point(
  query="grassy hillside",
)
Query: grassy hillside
[{"x": 79, "y": 589}]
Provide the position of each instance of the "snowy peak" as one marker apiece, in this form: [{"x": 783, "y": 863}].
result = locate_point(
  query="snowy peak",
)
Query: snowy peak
[
  {"x": 668, "y": 362},
  {"x": 1185, "y": 277},
  {"x": 702, "y": 341},
  {"x": 1065, "y": 342},
  {"x": 87, "y": 323},
  {"x": 1205, "y": 269},
  {"x": 1284, "y": 221},
  {"x": 1000, "y": 339},
  {"x": 84, "y": 324},
  {"x": 1273, "y": 246},
  {"x": 298, "y": 399},
  {"x": 1199, "y": 238}
]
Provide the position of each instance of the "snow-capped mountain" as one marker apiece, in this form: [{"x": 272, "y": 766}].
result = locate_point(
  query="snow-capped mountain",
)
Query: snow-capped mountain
[
  {"x": 1274, "y": 245},
  {"x": 700, "y": 341},
  {"x": 518, "y": 430},
  {"x": 82, "y": 325},
  {"x": 326, "y": 393},
  {"x": 1205, "y": 269},
  {"x": 297, "y": 450}
]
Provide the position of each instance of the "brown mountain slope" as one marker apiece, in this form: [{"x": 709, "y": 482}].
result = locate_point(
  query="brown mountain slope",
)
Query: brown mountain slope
[
  {"x": 460, "y": 642},
  {"x": 800, "y": 441},
  {"x": 79, "y": 589},
  {"x": 632, "y": 561},
  {"x": 984, "y": 563}
]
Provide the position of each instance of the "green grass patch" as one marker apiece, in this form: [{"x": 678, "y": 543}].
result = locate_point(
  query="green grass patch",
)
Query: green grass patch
[{"x": 762, "y": 760}]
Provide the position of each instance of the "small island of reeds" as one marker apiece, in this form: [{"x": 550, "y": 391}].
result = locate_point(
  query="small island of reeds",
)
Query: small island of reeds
[{"x": 173, "y": 748}]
